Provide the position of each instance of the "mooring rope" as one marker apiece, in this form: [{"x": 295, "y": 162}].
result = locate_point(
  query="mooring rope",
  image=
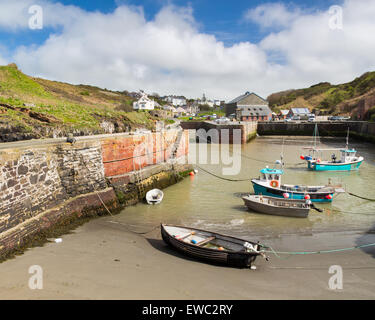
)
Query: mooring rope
[
  {"x": 132, "y": 231},
  {"x": 266, "y": 161},
  {"x": 364, "y": 198},
  {"x": 222, "y": 178},
  {"x": 292, "y": 253}
]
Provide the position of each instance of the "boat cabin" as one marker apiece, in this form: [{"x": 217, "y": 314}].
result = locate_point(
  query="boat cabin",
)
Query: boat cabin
[
  {"x": 348, "y": 155},
  {"x": 271, "y": 176}
]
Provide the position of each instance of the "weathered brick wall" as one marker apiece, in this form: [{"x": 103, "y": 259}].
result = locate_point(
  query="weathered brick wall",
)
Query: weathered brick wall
[{"x": 128, "y": 153}]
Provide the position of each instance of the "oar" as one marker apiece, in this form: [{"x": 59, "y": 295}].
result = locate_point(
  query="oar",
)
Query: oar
[
  {"x": 185, "y": 236},
  {"x": 315, "y": 208}
]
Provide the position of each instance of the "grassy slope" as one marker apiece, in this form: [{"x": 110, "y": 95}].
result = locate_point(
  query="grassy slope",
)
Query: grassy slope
[
  {"x": 336, "y": 99},
  {"x": 67, "y": 106}
]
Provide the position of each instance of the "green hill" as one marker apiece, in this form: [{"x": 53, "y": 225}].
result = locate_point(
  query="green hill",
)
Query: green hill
[
  {"x": 325, "y": 98},
  {"x": 35, "y": 108}
]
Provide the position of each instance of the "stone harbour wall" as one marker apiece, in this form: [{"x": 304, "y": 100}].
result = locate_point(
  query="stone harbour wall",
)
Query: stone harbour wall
[
  {"x": 361, "y": 130},
  {"x": 30, "y": 183},
  {"x": 44, "y": 184},
  {"x": 232, "y": 132}
]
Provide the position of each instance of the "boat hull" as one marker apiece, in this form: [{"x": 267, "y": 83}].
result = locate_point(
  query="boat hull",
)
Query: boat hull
[
  {"x": 233, "y": 259},
  {"x": 278, "y": 193},
  {"x": 154, "y": 196},
  {"x": 277, "y": 211},
  {"x": 313, "y": 165}
]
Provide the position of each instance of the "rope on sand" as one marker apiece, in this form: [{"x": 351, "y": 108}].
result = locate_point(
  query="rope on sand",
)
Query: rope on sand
[
  {"x": 132, "y": 231},
  {"x": 291, "y": 253}
]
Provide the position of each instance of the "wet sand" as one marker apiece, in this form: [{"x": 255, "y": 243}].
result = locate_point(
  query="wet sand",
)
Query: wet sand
[{"x": 103, "y": 260}]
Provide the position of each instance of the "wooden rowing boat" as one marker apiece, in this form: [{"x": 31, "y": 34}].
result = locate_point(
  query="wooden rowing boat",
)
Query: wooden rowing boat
[
  {"x": 211, "y": 246},
  {"x": 277, "y": 206}
]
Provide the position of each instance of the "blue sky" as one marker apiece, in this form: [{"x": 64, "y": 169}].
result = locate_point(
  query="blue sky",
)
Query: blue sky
[{"x": 222, "y": 48}]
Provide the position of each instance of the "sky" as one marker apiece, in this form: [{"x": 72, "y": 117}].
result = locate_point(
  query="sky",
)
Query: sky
[{"x": 221, "y": 48}]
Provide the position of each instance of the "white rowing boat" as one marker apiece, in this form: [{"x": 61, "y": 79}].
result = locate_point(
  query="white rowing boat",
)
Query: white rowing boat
[{"x": 154, "y": 196}]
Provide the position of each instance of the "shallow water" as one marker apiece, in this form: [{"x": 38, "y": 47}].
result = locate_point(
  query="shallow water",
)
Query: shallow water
[{"x": 207, "y": 202}]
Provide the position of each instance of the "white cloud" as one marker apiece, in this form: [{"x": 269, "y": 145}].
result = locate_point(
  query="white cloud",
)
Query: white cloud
[
  {"x": 272, "y": 15},
  {"x": 316, "y": 51},
  {"x": 169, "y": 54}
]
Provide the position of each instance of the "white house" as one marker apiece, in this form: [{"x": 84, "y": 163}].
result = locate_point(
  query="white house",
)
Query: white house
[
  {"x": 177, "y": 101},
  {"x": 144, "y": 103},
  {"x": 217, "y": 103}
]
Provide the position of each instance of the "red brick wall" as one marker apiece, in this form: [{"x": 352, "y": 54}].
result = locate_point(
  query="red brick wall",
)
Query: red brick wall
[{"x": 124, "y": 154}]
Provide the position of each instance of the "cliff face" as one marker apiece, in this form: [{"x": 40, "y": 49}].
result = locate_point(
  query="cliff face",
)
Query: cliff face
[
  {"x": 355, "y": 98},
  {"x": 37, "y": 108}
]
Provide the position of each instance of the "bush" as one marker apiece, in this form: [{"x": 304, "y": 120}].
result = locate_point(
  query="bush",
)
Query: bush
[
  {"x": 205, "y": 107},
  {"x": 125, "y": 106}
]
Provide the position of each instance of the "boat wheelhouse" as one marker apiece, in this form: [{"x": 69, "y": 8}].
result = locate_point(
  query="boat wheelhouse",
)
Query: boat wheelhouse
[{"x": 269, "y": 184}]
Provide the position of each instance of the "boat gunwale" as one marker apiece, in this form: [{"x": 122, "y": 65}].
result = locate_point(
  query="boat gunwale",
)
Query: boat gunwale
[
  {"x": 296, "y": 192},
  {"x": 335, "y": 164},
  {"x": 211, "y": 249},
  {"x": 299, "y": 201}
]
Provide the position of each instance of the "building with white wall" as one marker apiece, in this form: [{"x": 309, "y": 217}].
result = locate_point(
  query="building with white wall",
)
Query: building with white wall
[{"x": 144, "y": 103}]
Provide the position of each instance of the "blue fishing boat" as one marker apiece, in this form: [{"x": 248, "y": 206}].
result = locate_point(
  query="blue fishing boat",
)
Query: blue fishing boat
[
  {"x": 349, "y": 159},
  {"x": 269, "y": 184}
]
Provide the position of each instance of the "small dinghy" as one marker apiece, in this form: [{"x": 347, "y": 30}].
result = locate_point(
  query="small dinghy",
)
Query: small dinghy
[
  {"x": 210, "y": 246},
  {"x": 154, "y": 196},
  {"x": 277, "y": 206}
]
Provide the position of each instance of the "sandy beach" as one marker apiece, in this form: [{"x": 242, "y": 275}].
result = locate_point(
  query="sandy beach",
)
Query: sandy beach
[{"x": 103, "y": 260}]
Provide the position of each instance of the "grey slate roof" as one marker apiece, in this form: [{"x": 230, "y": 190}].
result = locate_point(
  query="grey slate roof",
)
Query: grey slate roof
[
  {"x": 255, "y": 111},
  {"x": 241, "y": 97},
  {"x": 302, "y": 111}
]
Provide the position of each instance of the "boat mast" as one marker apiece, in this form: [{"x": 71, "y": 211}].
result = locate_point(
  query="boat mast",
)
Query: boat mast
[
  {"x": 314, "y": 137},
  {"x": 347, "y": 140},
  {"x": 282, "y": 155}
]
